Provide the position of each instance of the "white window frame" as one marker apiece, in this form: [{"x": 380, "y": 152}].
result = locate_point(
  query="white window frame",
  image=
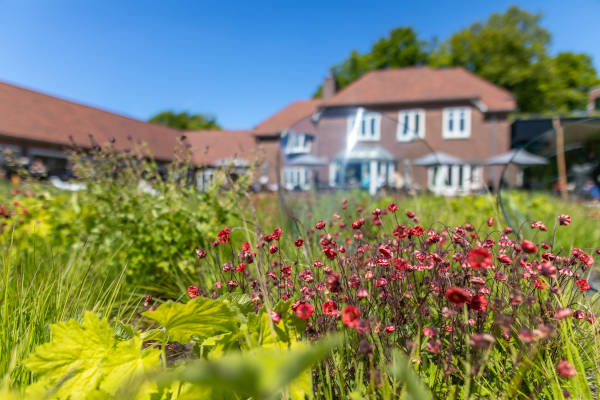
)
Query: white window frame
[
  {"x": 368, "y": 117},
  {"x": 412, "y": 133},
  {"x": 454, "y": 113},
  {"x": 296, "y": 176},
  {"x": 301, "y": 146}
]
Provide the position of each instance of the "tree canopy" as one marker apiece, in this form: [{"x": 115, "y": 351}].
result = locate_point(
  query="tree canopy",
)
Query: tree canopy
[
  {"x": 185, "y": 121},
  {"x": 510, "y": 49}
]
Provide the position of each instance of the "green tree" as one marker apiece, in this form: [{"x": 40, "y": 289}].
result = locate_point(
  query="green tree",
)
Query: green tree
[
  {"x": 185, "y": 121},
  {"x": 402, "y": 48},
  {"x": 511, "y": 50}
]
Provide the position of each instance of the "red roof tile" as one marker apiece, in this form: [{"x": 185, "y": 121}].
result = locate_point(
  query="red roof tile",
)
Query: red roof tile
[
  {"x": 288, "y": 116},
  {"x": 422, "y": 84},
  {"x": 211, "y": 147},
  {"x": 31, "y": 115}
]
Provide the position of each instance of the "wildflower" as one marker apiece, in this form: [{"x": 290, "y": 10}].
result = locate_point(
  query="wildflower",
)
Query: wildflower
[
  {"x": 582, "y": 284},
  {"x": 304, "y": 310},
  {"x": 232, "y": 284},
  {"x": 385, "y": 251},
  {"x": 504, "y": 259},
  {"x": 320, "y": 224},
  {"x": 410, "y": 214},
  {"x": 434, "y": 346},
  {"x": 223, "y": 235},
  {"x": 393, "y": 207},
  {"x": 477, "y": 280},
  {"x": 363, "y": 326},
  {"x": 528, "y": 246},
  {"x": 329, "y": 252},
  {"x": 240, "y": 267},
  {"x": 478, "y": 303},
  {"x": 148, "y": 301},
  {"x": 389, "y": 328},
  {"x": 578, "y": 314},
  {"x": 273, "y": 249},
  {"x": 481, "y": 341},
  {"x": 526, "y": 336},
  {"x": 276, "y": 234},
  {"x": 563, "y": 313},
  {"x": 565, "y": 369},
  {"x": 540, "y": 284},
  {"x": 564, "y": 219},
  {"x": 193, "y": 291},
  {"x": 358, "y": 223},
  {"x": 350, "y": 316},
  {"x": 201, "y": 253},
  {"x": 362, "y": 293},
  {"x": 381, "y": 282},
  {"x": 275, "y": 317},
  {"x": 429, "y": 332},
  {"x": 490, "y": 221},
  {"x": 218, "y": 285},
  {"x": 330, "y": 308},
  {"x": 457, "y": 296},
  {"x": 299, "y": 242}
]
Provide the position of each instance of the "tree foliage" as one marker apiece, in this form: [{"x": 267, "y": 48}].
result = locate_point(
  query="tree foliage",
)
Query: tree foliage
[
  {"x": 510, "y": 49},
  {"x": 185, "y": 121},
  {"x": 401, "y": 49}
]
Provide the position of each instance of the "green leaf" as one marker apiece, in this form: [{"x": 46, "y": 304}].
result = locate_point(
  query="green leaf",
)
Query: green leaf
[
  {"x": 200, "y": 317},
  {"x": 75, "y": 353}
]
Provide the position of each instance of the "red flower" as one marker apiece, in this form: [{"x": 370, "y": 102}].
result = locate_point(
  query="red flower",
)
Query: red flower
[
  {"x": 201, "y": 253},
  {"x": 563, "y": 313},
  {"x": 299, "y": 242},
  {"x": 582, "y": 284},
  {"x": 385, "y": 251},
  {"x": 480, "y": 258},
  {"x": 329, "y": 252},
  {"x": 223, "y": 236},
  {"x": 528, "y": 246},
  {"x": 565, "y": 369},
  {"x": 320, "y": 224},
  {"x": 246, "y": 247},
  {"x": 304, "y": 310},
  {"x": 540, "y": 283},
  {"x": 429, "y": 332},
  {"x": 273, "y": 249},
  {"x": 193, "y": 291},
  {"x": 275, "y": 317},
  {"x": 478, "y": 303},
  {"x": 457, "y": 296},
  {"x": 329, "y": 308},
  {"x": 350, "y": 316},
  {"x": 389, "y": 328},
  {"x": 410, "y": 214},
  {"x": 240, "y": 267},
  {"x": 564, "y": 219},
  {"x": 277, "y": 233},
  {"x": 358, "y": 223},
  {"x": 490, "y": 221},
  {"x": 392, "y": 207}
]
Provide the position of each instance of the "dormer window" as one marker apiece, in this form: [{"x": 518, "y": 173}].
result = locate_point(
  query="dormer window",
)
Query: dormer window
[
  {"x": 369, "y": 128},
  {"x": 456, "y": 123},
  {"x": 411, "y": 125},
  {"x": 297, "y": 143}
]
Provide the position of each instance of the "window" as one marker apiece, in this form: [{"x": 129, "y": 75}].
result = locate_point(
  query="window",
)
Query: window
[
  {"x": 295, "y": 178},
  {"x": 456, "y": 123},
  {"x": 297, "y": 143},
  {"x": 411, "y": 125},
  {"x": 369, "y": 128}
]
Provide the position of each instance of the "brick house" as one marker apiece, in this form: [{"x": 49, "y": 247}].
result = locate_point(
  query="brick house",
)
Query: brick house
[{"x": 419, "y": 127}]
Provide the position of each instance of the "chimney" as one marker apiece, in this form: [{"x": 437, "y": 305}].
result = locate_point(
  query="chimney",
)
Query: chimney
[{"x": 329, "y": 87}]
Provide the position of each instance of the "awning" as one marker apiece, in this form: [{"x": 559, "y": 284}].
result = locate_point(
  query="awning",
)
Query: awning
[
  {"x": 365, "y": 153},
  {"x": 307, "y": 160},
  {"x": 437, "y": 158},
  {"x": 517, "y": 157}
]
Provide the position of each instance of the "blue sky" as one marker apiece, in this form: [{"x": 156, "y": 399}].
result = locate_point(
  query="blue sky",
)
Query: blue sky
[{"x": 240, "y": 61}]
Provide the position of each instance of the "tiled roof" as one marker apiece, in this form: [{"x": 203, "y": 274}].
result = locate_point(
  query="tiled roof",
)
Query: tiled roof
[
  {"x": 31, "y": 115},
  {"x": 422, "y": 84},
  {"x": 288, "y": 116},
  {"x": 214, "y": 147}
]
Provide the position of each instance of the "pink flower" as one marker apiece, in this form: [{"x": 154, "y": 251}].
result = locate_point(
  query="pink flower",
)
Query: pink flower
[
  {"x": 457, "y": 296},
  {"x": 528, "y": 246},
  {"x": 304, "y": 310},
  {"x": 275, "y": 317},
  {"x": 193, "y": 291},
  {"x": 320, "y": 224},
  {"x": 565, "y": 369},
  {"x": 480, "y": 258},
  {"x": 223, "y": 235},
  {"x": 582, "y": 284},
  {"x": 329, "y": 308},
  {"x": 201, "y": 253},
  {"x": 564, "y": 219},
  {"x": 350, "y": 316}
]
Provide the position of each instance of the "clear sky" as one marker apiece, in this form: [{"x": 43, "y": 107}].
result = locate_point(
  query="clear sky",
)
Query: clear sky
[{"x": 240, "y": 61}]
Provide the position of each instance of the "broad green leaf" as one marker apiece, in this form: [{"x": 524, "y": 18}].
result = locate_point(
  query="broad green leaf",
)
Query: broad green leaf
[
  {"x": 75, "y": 353},
  {"x": 199, "y": 317},
  {"x": 127, "y": 363}
]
